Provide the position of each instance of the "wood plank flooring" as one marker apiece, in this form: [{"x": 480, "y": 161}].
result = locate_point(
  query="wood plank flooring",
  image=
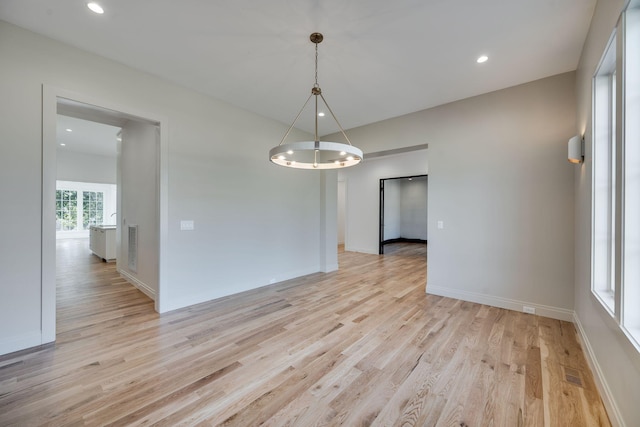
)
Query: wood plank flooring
[{"x": 361, "y": 346}]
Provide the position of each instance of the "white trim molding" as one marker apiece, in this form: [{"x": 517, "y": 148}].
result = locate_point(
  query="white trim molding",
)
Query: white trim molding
[
  {"x": 603, "y": 387},
  {"x": 50, "y": 97},
  {"x": 507, "y": 303},
  {"x": 143, "y": 287},
  {"x": 21, "y": 342},
  {"x": 329, "y": 268}
]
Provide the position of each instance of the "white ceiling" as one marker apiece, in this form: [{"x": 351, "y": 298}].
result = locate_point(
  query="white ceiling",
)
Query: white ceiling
[
  {"x": 86, "y": 136},
  {"x": 379, "y": 59}
]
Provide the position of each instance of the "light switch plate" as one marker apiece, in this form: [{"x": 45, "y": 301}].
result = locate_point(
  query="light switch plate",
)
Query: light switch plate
[
  {"x": 440, "y": 225},
  {"x": 186, "y": 225}
]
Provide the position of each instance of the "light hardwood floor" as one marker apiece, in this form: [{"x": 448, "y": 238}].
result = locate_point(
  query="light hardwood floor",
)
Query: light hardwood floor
[{"x": 361, "y": 346}]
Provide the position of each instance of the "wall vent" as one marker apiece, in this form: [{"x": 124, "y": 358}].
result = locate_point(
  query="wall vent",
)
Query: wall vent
[{"x": 133, "y": 248}]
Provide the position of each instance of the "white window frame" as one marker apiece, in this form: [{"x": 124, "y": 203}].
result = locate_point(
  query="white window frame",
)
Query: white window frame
[
  {"x": 629, "y": 313},
  {"x": 62, "y": 201},
  {"x": 616, "y": 177},
  {"x": 603, "y": 255},
  {"x": 102, "y": 211},
  {"x": 108, "y": 206}
]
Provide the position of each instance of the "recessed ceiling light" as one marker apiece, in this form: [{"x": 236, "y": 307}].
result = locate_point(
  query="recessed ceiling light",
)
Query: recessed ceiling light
[
  {"x": 482, "y": 59},
  {"x": 63, "y": 144},
  {"x": 321, "y": 114},
  {"x": 69, "y": 130},
  {"x": 95, "y": 7}
]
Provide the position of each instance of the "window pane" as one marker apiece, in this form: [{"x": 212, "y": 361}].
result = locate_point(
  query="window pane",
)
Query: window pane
[
  {"x": 66, "y": 210},
  {"x": 631, "y": 273},
  {"x": 92, "y": 211},
  {"x": 604, "y": 170}
]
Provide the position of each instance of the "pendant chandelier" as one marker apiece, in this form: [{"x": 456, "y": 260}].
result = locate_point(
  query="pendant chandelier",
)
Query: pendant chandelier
[{"x": 315, "y": 154}]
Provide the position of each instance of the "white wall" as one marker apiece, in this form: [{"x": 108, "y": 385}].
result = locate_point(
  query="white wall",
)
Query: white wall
[
  {"x": 138, "y": 183},
  {"x": 82, "y": 167},
  {"x": 405, "y": 209},
  {"x": 246, "y": 210},
  {"x": 342, "y": 198},
  {"x": 392, "y": 214},
  {"x": 616, "y": 362},
  {"x": 413, "y": 208},
  {"x": 327, "y": 227},
  {"x": 500, "y": 182},
  {"x": 363, "y": 189}
]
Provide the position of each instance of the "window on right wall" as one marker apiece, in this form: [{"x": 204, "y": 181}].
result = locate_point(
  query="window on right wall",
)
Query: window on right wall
[
  {"x": 604, "y": 178},
  {"x": 630, "y": 283},
  {"x": 616, "y": 177}
]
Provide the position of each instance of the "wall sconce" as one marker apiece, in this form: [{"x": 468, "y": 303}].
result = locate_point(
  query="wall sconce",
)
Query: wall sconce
[{"x": 576, "y": 149}]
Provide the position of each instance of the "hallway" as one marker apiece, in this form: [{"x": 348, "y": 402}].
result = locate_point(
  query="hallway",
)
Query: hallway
[{"x": 90, "y": 291}]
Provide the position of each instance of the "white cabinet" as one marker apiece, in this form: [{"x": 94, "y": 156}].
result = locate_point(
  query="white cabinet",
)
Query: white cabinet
[{"x": 102, "y": 241}]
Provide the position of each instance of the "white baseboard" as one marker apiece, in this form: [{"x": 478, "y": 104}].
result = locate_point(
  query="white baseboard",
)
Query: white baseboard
[
  {"x": 554, "y": 313},
  {"x": 213, "y": 293},
  {"x": 605, "y": 392},
  {"x": 509, "y": 304},
  {"x": 143, "y": 287},
  {"x": 21, "y": 342},
  {"x": 362, "y": 250},
  {"x": 329, "y": 268}
]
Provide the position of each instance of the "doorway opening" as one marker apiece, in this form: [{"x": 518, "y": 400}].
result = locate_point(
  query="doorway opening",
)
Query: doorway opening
[
  {"x": 403, "y": 211},
  {"x": 133, "y": 143},
  {"x": 141, "y": 187},
  {"x": 86, "y": 174}
]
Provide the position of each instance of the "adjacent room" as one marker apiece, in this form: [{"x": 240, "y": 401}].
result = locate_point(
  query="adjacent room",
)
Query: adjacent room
[{"x": 444, "y": 233}]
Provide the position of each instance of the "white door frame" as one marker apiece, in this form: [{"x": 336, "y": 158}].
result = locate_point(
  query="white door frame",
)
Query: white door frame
[{"x": 50, "y": 96}]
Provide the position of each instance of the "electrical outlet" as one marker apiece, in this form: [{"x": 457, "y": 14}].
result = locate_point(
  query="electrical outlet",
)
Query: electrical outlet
[
  {"x": 186, "y": 225},
  {"x": 530, "y": 310}
]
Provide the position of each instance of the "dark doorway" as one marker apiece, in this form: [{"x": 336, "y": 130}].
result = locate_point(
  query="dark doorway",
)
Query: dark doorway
[{"x": 403, "y": 210}]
